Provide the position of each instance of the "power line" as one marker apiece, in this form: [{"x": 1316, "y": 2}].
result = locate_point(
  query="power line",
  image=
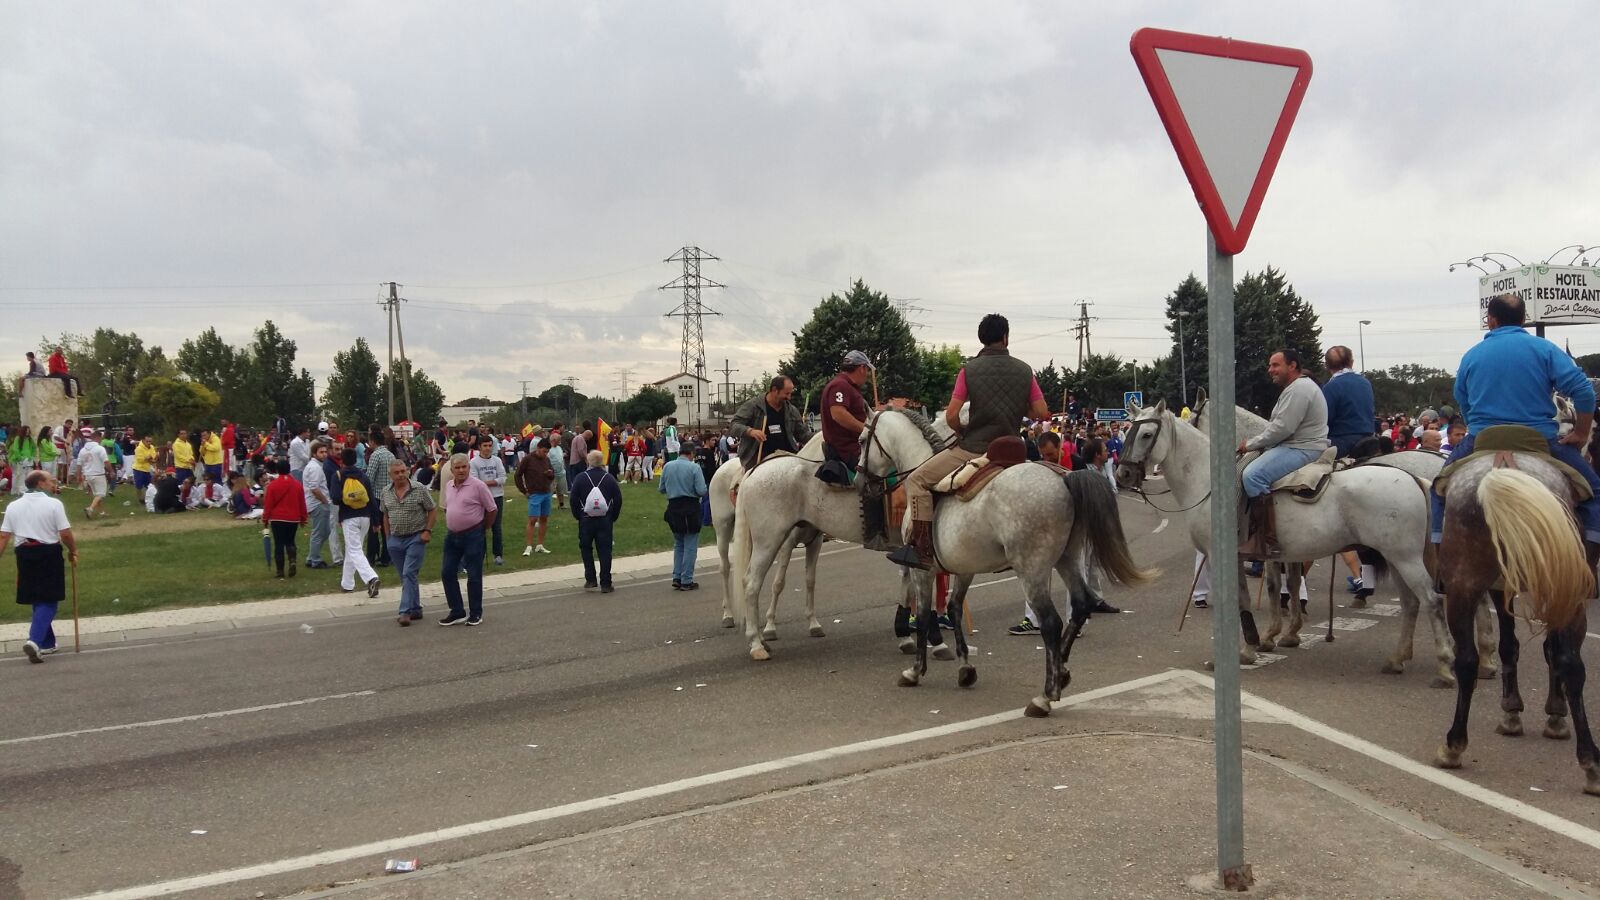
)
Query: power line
[
  {"x": 1082, "y": 329},
  {"x": 692, "y": 311},
  {"x": 623, "y": 375},
  {"x": 392, "y": 307}
]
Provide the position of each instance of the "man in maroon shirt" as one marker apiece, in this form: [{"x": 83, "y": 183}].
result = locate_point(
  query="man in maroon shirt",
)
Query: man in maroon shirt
[{"x": 844, "y": 410}]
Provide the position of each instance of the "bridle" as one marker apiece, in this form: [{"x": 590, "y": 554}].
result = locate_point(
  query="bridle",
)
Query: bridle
[
  {"x": 1130, "y": 441},
  {"x": 870, "y": 439}
]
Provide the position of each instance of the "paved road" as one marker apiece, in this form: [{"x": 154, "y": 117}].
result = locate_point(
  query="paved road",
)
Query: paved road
[{"x": 568, "y": 713}]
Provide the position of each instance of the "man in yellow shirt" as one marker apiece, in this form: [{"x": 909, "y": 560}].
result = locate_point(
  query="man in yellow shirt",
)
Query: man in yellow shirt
[
  {"x": 144, "y": 459},
  {"x": 211, "y": 454},
  {"x": 183, "y": 457}
]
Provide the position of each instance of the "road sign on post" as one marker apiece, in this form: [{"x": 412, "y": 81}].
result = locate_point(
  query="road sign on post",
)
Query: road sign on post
[
  {"x": 1111, "y": 415},
  {"x": 1227, "y": 107},
  {"x": 1134, "y": 398}
]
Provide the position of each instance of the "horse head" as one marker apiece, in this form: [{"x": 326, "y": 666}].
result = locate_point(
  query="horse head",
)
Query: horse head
[
  {"x": 1148, "y": 443},
  {"x": 896, "y": 440}
]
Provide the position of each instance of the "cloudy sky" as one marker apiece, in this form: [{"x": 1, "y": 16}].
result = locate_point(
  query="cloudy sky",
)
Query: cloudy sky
[{"x": 523, "y": 169}]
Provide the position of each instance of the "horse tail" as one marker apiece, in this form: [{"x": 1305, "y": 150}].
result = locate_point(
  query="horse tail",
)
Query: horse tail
[
  {"x": 740, "y": 554},
  {"x": 1534, "y": 542},
  {"x": 1097, "y": 526}
]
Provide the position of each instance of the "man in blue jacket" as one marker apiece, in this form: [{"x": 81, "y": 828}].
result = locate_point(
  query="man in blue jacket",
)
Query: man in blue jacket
[
  {"x": 596, "y": 504},
  {"x": 1351, "y": 411},
  {"x": 1510, "y": 378}
]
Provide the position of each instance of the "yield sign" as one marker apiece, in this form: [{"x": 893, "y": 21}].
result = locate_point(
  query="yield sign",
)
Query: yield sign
[{"x": 1227, "y": 106}]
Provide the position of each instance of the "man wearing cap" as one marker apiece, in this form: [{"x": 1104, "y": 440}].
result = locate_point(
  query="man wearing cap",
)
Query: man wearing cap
[
  {"x": 844, "y": 410},
  {"x": 1001, "y": 390},
  {"x": 37, "y": 522},
  {"x": 769, "y": 423}
]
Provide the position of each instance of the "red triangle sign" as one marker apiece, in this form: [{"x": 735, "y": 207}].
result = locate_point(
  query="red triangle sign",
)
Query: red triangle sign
[{"x": 1227, "y": 106}]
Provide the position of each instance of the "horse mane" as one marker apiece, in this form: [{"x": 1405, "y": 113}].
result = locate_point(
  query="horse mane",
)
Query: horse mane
[{"x": 925, "y": 425}]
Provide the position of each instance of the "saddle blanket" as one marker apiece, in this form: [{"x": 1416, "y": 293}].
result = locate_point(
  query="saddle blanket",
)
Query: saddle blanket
[
  {"x": 975, "y": 474},
  {"x": 1305, "y": 482}
]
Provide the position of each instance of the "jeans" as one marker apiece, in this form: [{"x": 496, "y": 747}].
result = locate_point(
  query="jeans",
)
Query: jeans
[
  {"x": 406, "y": 553},
  {"x": 1272, "y": 464},
  {"x": 463, "y": 550},
  {"x": 283, "y": 542},
  {"x": 42, "y": 632},
  {"x": 355, "y": 559},
  {"x": 499, "y": 532},
  {"x": 1587, "y": 512},
  {"x": 318, "y": 513},
  {"x": 685, "y": 547},
  {"x": 594, "y": 537}
]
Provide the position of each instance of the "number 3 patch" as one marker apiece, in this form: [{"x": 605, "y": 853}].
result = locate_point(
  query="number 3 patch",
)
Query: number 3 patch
[{"x": 838, "y": 396}]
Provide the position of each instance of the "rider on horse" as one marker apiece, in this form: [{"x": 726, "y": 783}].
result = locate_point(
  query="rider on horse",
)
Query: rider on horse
[
  {"x": 769, "y": 423},
  {"x": 1510, "y": 378},
  {"x": 1296, "y": 437},
  {"x": 1002, "y": 390}
]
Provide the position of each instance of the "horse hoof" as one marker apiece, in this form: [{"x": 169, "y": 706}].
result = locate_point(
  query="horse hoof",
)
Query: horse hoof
[
  {"x": 966, "y": 677},
  {"x": 1447, "y": 759},
  {"x": 1556, "y": 728},
  {"x": 1591, "y": 785},
  {"x": 1290, "y": 641},
  {"x": 1390, "y": 667},
  {"x": 944, "y": 651},
  {"x": 1510, "y": 726},
  {"x": 908, "y": 678},
  {"x": 1265, "y": 646},
  {"x": 760, "y": 654},
  {"x": 1037, "y": 708},
  {"x": 1439, "y": 681},
  {"x": 1486, "y": 674},
  {"x": 727, "y": 621},
  {"x": 908, "y": 645},
  {"x": 816, "y": 631}
]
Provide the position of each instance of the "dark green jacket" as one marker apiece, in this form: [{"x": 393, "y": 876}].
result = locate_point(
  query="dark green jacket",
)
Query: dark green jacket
[
  {"x": 752, "y": 414},
  {"x": 998, "y": 386}
]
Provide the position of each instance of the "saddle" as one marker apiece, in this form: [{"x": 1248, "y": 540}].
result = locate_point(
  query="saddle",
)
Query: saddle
[
  {"x": 974, "y": 475},
  {"x": 1503, "y": 442},
  {"x": 1307, "y": 483}
]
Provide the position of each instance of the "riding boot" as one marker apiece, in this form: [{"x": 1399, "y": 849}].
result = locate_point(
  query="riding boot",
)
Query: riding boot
[
  {"x": 1591, "y": 553},
  {"x": 874, "y": 522},
  {"x": 1262, "y": 540},
  {"x": 918, "y": 552}
]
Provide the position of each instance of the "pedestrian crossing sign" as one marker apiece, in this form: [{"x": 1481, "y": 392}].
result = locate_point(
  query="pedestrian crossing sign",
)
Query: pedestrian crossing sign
[{"x": 1134, "y": 398}]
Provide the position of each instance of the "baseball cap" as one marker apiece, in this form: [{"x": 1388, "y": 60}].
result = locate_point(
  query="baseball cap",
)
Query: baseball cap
[
  {"x": 857, "y": 358},
  {"x": 86, "y": 430},
  {"x": 1429, "y": 414},
  {"x": 322, "y": 426}
]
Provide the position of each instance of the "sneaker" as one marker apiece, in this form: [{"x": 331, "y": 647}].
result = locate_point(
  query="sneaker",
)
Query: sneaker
[
  {"x": 499, "y": 560},
  {"x": 475, "y": 620},
  {"x": 48, "y": 651},
  {"x": 1253, "y": 569},
  {"x": 1352, "y": 583},
  {"x": 606, "y": 589},
  {"x": 591, "y": 586},
  {"x": 279, "y": 576},
  {"x": 692, "y": 586},
  {"x": 945, "y": 623},
  {"x": 677, "y": 585},
  {"x": 416, "y": 616},
  {"x": 32, "y": 650},
  {"x": 1200, "y": 603},
  {"x": 453, "y": 619},
  {"x": 404, "y": 619},
  {"x": 528, "y": 550},
  {"x": 291, "y": 568},
  {"x": 541, "y": 549},
  {"x": 372, "y": 588},
  {"x": 1023, "y": 627}
]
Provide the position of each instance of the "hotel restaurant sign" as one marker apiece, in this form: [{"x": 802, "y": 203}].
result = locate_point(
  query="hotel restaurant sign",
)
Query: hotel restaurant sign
[{"x": 1553, "y": 295}]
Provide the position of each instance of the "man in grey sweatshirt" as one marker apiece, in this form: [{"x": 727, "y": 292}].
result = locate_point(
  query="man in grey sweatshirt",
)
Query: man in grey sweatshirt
[{"x": 1296, "y": 436}]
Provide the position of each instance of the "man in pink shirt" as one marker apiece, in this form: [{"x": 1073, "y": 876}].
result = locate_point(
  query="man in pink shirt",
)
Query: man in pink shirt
[{"x": 469, "y": 511}]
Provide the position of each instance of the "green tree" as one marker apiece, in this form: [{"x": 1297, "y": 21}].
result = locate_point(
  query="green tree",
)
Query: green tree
[
  {"x": 1411, "y": 388},
  {"x": 865, "y": 320},
  {"x": 352, "y": 395},
  {"x": 8, "y": 397},
  {"x": 1100, "y": 381},
  {"x": 107, "y": 364},
  {"x": 648, "y": 406},
  {"x": 940, "y": 366},
  {"x": 273, "y": 380},
  {"x": 560, "y": 397},
  {"x": 1189, "y": 369},
  {"x": 427, "y": 397},
  {"x": 208, "y": 359},
  {"x": 178, "y": 403},
  {"x": 1052, "y": 383}
]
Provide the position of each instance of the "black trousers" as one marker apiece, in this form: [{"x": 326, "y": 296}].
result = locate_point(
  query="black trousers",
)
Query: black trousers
[{"x": 283, "y": 542}]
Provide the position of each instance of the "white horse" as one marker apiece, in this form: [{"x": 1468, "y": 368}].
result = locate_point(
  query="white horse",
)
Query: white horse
[
  {"x": 1027, "y": 518},
  {"x": 1422, "y": 465},
  {"x": 1382, "y": 508},
  {"x": 721, "y": 489}
]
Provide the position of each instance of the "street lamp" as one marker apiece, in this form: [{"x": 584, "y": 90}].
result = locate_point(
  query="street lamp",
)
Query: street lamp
[
  {"x": 1361, "y": 341},
  {"x": 1183, "y": 369}
]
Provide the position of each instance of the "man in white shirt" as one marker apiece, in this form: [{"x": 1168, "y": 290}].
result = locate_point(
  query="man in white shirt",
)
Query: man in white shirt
[
  {"x": 37, "y": 523},
  {"x": 487, "y": 468},
  {"x": 91, "y": 465},
  {"x": 300, "y": 453},
  {"x": 320, "y": 507}
]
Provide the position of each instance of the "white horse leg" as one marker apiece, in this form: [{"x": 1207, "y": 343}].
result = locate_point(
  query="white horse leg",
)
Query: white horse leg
[
  {"x": 1249, "y": 639},
  {"x": 779, "y": 582},
  {"x": 1487, "y": 640},
  {"x": 1409, "y": 607},
  {"x": 761, "y": 558},
  {"x": 916, "y": 586},
  {"x": 1295, "y": 581},
  {"x": 1415, "y": 582},
  {"x": 724, "y": 541},
  {"x": 1272, "y": 576},
  {"x": 813, "y": 553}
]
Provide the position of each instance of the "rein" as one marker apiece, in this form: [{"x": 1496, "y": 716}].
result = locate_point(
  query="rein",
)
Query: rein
[
  {"x": 870, "y": 439},
  {"x": 1145, "y": 496}
]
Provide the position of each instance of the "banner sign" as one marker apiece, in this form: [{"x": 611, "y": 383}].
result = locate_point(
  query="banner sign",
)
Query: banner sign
[{"x": 1553, "y": 295}]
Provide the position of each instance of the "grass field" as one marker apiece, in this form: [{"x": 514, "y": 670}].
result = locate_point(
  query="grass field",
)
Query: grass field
[{"x": 134, "y": 561}]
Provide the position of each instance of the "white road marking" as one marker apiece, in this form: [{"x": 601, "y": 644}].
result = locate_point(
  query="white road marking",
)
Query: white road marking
[
  {"x": 176, "y": 720},
  {"x": 992, "y": 583},
  {"x": 413, "y": 841},
  {"x": 1343, "y": 623},
  {"x": 1381, "y": 609},
  {"x": 1438, "y": 777}
]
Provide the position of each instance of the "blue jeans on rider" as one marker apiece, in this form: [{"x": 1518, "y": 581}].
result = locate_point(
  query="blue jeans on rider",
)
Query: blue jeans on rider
[
  {"x": 1587, "y": 512},
  {"x": 1272, "y": 464}
]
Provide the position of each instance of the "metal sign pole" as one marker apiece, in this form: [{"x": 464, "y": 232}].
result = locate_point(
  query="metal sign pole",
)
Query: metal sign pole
[{"x": 1231, "y": 869}]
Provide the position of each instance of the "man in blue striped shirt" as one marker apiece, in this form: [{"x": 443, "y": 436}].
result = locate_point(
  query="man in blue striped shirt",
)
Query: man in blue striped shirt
[{"x": 684, "y": 483}]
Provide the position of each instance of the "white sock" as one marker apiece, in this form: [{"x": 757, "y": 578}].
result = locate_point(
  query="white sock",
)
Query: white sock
[{"x": 1369, "y": 576}]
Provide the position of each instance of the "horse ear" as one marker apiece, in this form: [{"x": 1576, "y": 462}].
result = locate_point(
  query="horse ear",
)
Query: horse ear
[
  {"x": 1161, "y": 406},
  {"x": 1199, "y": 398}
]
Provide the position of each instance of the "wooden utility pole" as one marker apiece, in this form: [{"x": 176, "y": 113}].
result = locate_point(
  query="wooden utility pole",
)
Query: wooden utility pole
[{"x": 396, "y": 331}]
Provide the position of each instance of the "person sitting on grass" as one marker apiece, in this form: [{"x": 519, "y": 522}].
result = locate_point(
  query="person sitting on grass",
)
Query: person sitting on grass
[
  {"x": 206, "y": 495},
  {"x": 169, "y": 494},
  {"x": 242, "y": 502}
]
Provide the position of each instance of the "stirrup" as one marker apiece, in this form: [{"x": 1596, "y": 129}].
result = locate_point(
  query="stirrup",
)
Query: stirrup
[{"x": 907, "y": 556}]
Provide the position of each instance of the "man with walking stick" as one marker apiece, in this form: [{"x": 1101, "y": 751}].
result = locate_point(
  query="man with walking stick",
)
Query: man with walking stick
[{"x": 37, "y": 523}]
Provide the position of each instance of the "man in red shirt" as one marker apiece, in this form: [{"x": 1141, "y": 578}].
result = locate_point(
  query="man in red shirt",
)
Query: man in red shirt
[
  {"x": 58, "y": 369},
  {"x": 229, "y": 439},
  {"x": 633, "y": 448},
  {"x": 844, "y": 410}
]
